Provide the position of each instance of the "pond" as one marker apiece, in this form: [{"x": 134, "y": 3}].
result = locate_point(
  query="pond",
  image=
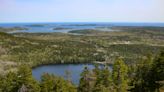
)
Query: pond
[{"x": 60, "y": 70}]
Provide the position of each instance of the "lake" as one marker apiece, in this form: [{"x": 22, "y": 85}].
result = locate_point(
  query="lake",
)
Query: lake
[{"x": 60, "y": 70}]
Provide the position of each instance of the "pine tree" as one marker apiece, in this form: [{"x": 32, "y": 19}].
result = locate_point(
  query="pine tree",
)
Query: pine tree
[
  {"x": 106, "y": 76},
  {"x": 103, "y": 79},
  {"x": 101, "y": 88},
  {"x": 25, "y": 78},
  {"x": 157, "y": 74},
  {"x": 119, "y": 75},
  {"x": 84, "y": 85},
  {"x": 47, "y": 83},
  {"x": 142, "y": 75},
  {"x": 96, "y": 70},
  {"x": 8, "y": 82},
  {"x": 52, "y": 83}
]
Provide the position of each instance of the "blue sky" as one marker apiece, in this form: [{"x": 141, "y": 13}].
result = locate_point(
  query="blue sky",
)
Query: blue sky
[{"x": 81, "y": 10}]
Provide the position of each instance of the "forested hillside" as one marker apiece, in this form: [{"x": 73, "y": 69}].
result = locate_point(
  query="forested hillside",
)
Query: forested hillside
[
  {"x": 144, "y": 76},
  {"x": 136, "y": 56}
]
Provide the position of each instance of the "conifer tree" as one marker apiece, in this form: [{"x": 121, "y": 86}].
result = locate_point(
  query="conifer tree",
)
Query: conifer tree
[
  {"x": 103, "y": 80},
  {"x": 142, "y": 75},
  {"x": 119, "y": 75},
  {"x": 8, "y": 83},
  {"x": 51, "y": 83},
  {"x": 96, "y": 70},
  {"x": 157, "y": 74},
  {"x": 25, "y": 78},
  {"x": 47, "y": 83},
  {"x": 84, "y": 85}
]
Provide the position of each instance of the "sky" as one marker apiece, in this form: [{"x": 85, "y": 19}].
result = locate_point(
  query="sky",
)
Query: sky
[{"x": 81, "y": 11}]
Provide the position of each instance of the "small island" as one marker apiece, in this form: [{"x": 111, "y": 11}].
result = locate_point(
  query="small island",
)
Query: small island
[
  {"x": 36, "y": 25},
  {"x": 61, "y": 28},
  {"x": 85, "y": 31},
  {"x": 12, "y": 29}
]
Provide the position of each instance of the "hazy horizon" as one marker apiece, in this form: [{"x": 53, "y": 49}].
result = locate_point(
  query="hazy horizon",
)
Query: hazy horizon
[{"x": 90, "y": 22}]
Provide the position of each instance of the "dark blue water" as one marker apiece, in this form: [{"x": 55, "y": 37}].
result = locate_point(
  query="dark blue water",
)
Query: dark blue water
[
  {"x": 60, "y": 70},
  {"x": 48, "y": 27}
]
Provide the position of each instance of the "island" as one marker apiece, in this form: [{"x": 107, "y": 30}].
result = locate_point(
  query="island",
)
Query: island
[
  {"x": 12, "y": 29},
  {"x": 36, "y": 25},
  {"x": 62, "y": 28},
  {"x": 85, "y": 31}
]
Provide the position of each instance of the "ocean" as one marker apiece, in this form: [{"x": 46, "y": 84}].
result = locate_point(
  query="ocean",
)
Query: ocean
[{"x": 65, "y": 27}]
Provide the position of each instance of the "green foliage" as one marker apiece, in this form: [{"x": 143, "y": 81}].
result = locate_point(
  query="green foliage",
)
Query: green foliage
[
  {"x": 22, "y": 81},
  {"x": 8, "y": 83},
  {"x": 103, "y": 79},
  {"x": 25, "y": 78},
  {"x": 141, "y": 74},
  {"x": 158, "y": 67},
  {"x": 46, "y": 48},
  {"x": 37, "y": 49},
  {"x": 157, "y": 74},
  {"x": 101, "y": 88},
  {"x": 13, "y": 82},
  {"x": 84, "y": 85},
  {"x": 149, "y": 75},
  {"x": 51, "y": 83},
  {"x": 119, "y": 75}
]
